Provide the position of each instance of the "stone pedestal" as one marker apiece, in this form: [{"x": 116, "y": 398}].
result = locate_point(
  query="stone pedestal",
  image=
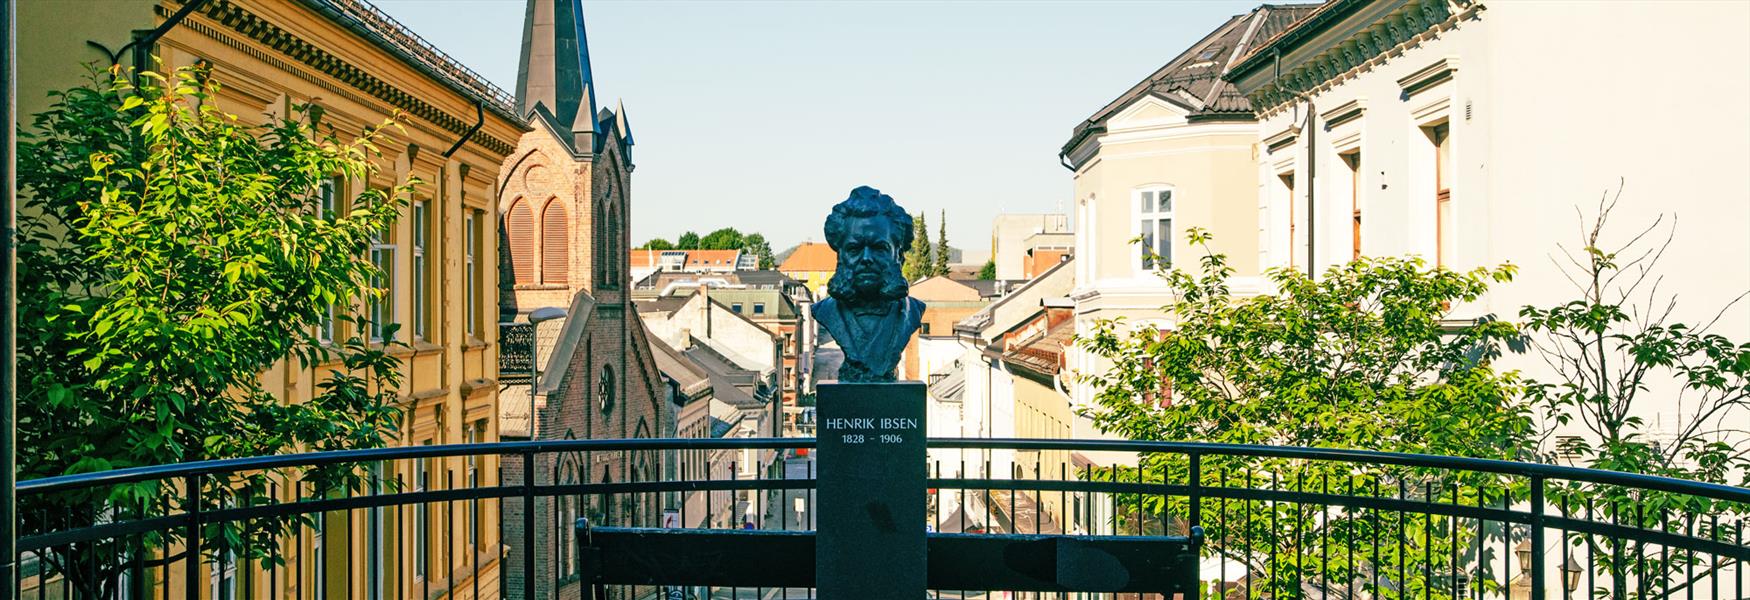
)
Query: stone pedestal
[{"x": 871, "y": 518}]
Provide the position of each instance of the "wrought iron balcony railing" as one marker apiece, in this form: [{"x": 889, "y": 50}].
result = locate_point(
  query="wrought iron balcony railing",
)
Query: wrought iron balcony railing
[{"x": 1258, "y": 522}]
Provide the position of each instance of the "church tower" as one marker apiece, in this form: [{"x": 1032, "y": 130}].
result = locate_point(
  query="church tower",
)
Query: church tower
[{"x": 563, "y": 200}]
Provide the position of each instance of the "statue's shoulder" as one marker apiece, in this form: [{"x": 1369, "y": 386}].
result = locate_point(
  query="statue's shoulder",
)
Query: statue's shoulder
[
  {"x": 914, "y": 310},
  {"x": 827, "y": 312}
]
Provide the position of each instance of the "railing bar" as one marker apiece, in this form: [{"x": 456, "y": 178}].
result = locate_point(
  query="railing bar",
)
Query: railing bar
[
  {"x": 1716, "y": 491},
  {"x": 1689, "y": 558},
  {"x": 1221, "y": 519},
  {"x": 191, "y": 572},
  {"x": 1325, "y": 536},
  {"x": 1403, "y": 533},
  {"x": 528, "y": 461},
  {"x": 1664, "y": 555},
  {"x": 1452, "y": 567},
  {"x": 1640, "y": 550}
]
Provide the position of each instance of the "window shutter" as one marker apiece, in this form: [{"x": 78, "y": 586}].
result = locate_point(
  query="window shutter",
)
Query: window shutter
[
  {"x": 520, "y": 227},
  {"x": 555, "y": 246}
]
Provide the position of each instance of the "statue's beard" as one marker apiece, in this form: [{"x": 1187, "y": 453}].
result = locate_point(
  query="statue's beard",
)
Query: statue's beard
[{"x": 844, "y": 286}]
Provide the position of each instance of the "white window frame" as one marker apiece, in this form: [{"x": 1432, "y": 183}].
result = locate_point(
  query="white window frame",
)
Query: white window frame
[
  {"x": 382, "y": 305},
  {"x": 468, "y": 266},
  {"x": 318, "y": 575},
  {"x": 325, "y": 193},
  {"x": 1151, "y": 216},
  {"x": 421, "y": 218}
]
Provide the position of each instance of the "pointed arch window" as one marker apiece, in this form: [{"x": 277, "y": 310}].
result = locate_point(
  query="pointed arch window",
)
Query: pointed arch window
[
  {"x": 555, "y": 244},
  {"x": 519, "y": 229}
]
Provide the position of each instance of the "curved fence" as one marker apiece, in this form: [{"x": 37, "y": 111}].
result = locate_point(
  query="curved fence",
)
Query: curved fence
[{"x": 505, "y": 520}]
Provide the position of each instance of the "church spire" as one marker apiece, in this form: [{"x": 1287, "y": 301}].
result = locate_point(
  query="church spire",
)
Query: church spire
[{"x": 554, "y": 72}]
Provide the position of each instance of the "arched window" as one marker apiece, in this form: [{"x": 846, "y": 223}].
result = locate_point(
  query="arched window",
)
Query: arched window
[
  {"x": 613, "y": 248},
  {"x": 605, "y": 395},
  {"x": 555, "y": 245},
  {"x": 519, "y": 229}
]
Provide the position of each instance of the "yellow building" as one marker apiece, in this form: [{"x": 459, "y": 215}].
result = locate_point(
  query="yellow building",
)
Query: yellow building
[
  {"x": 360, "y": 67},
  {"x": 813, "y": 264}
]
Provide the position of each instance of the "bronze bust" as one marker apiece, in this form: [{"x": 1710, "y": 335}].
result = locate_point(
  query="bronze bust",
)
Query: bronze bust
[{"x": 868, "y": 311}]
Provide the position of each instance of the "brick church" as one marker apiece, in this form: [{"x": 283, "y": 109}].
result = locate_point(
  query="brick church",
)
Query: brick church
[{"x": 564, "y": 196}]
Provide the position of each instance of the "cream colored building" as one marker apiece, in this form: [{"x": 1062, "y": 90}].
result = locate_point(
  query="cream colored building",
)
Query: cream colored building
[
  {"x": 360, "y": 67},
  {"x": 1476, "y": 133},
  {"x": 1175, "y": 151}
]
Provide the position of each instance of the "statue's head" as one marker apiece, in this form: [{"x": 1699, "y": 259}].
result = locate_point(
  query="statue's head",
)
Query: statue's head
[{"x": 870, "y": 234}]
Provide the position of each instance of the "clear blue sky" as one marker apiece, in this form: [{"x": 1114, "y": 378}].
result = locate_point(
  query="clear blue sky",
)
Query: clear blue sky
[{"x": 761, "y": 115}]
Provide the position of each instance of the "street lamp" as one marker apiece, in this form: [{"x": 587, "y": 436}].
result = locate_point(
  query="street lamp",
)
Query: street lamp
[
  {"x": 541, "y": 315},
  {"x": 1571, "y": 574}
]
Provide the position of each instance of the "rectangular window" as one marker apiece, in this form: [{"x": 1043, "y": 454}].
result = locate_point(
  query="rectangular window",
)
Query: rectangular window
[
  {"x": 476, "y": 434},
  {"x": 420, "y": 219},
  {"x": 759, "y": 308},
  {"x": 472, "y": 277},
  {"x": 328, "y": 197},
  {"x": 1288, "y": 206},
  {"x": 382, "y": 302},
  {"x": 1440, "y": 135},
  {"x": 1155, "y": 225},
  {"x": 1353, "y": 160},
  {"x": 735, "y": 307}
]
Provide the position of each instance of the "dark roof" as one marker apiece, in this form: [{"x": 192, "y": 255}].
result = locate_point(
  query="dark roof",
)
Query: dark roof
[
  {"x": 1288, "y": 35},
  {"x": 987, "y": 288},
  {"x": 1193, "y": 78},
  {"x": 667, "y": 304},
  {"x": 554, "y": 71},
  {"x": 390, "y": 35}
]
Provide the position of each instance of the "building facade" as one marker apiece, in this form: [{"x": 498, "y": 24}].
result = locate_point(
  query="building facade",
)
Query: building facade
[
  {"x": 360, "y": 67},
  {"x": 565, "y": 197},
  {"x": 1477, "y": 133},
  {"x": 813, "y": 264},
  {"x": 1173, "y": 152},
  {"x": 1008, "y": 239}
]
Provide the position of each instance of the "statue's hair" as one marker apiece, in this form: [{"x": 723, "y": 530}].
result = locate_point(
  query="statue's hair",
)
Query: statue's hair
[{"x": 866, "y": 202}]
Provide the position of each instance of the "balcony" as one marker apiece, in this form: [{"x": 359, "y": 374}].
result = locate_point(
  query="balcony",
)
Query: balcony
[{"x": 1195, "y": 520}]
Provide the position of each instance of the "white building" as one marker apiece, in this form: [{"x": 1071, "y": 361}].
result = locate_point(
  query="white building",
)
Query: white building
[{"x": 1475, "y": 133}]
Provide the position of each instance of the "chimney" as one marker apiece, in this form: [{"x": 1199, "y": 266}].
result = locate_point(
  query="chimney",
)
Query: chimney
[{"x": 705, "y": 306}]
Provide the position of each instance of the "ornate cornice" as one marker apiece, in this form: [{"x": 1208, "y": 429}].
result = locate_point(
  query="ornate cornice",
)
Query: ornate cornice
[
  {"x": 1416, "y": 21},
  {"x": 290, "y": 46}
]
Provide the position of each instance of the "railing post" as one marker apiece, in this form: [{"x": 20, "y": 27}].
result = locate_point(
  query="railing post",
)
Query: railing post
[
  {"x": 529, "y": 522},
  {"x": 192, "y": 570},
  {"x": 1537, "y": 558},
  {"x": 1196, "y": 519},
  {"x": 586, "y": 563}
]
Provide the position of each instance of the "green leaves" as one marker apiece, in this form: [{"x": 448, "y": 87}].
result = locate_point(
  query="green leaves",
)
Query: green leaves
[{"x": 174, "y": 255}]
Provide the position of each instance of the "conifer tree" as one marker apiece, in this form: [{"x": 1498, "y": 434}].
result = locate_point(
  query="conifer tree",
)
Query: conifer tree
[
  {"x": 942, "y": 245},
  {"x": 917, "y": 260}
]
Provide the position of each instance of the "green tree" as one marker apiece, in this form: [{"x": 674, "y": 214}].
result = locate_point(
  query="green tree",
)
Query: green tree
[
  {"x": 988, "y": 271},
  {"x": 726, "y": 238},
  {"x": 659, "y": 244},
  {"x": 917, "y": 263},
  {"x": 757, "y": 245},
  {"x": 688, "y": 241},
  {"x": 1614, "y": 351},
  {"x": 171, "y": 254},
  {"x": 942, "y": 249},
  {"x": 1359, "y": 357}
]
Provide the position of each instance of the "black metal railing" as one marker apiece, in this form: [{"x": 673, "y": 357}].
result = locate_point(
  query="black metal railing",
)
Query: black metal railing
[{"x": 501, "y": 520}]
